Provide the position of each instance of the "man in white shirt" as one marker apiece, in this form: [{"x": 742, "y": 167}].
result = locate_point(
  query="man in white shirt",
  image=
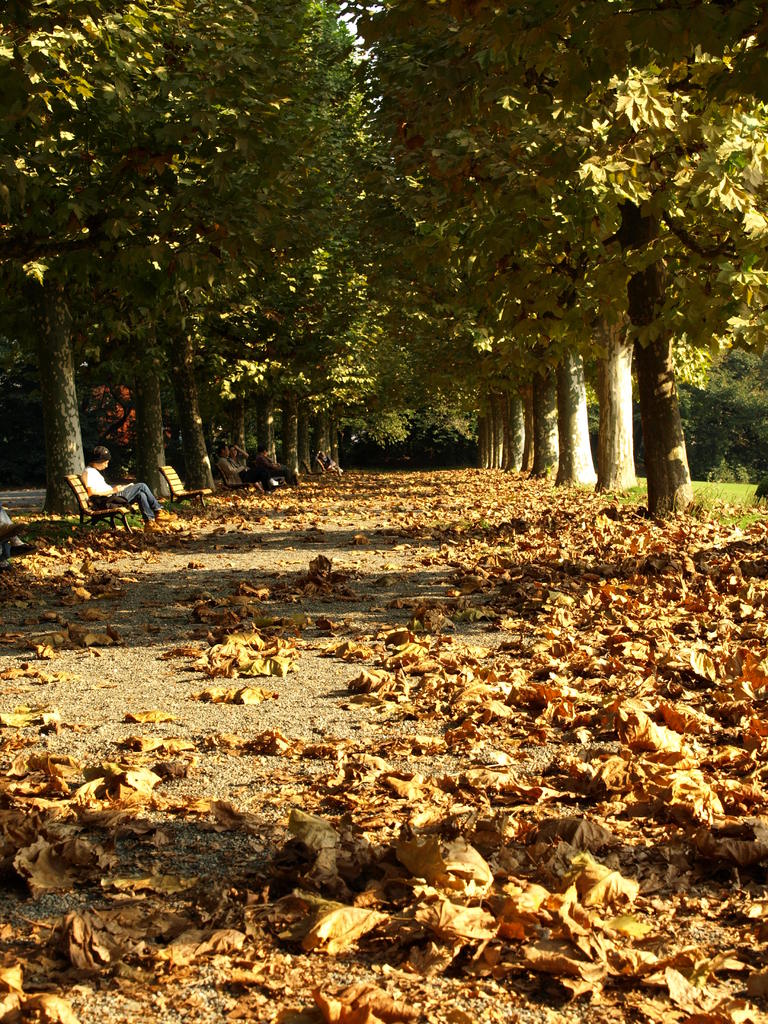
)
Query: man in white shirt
[
  {"x": 134, "y": 494},
  {"x": 10, "y": 542}
]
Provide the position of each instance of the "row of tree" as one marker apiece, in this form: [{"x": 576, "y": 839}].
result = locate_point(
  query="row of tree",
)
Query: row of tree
[
  {"x": 583, "y": 179},
  {"x": 178, "y": 197},
  {"x": 481, "y": 203}
]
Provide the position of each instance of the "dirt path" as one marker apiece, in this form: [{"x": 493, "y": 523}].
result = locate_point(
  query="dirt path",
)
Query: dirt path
[{"x": 393, "y": 641}]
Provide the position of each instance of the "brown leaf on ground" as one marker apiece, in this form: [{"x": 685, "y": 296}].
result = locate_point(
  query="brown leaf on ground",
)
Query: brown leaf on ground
[
  {"x": 48, "y": 1009},
  {"x": 54, "y": 865},
  {"x": 144, "y": 717},
  {"x": 236, "y": 695},
  {"x": 599, "y": 886},
  {"x": 578, "y": 832},
  {"x": 11, "y": 979},
  {"x": 563, "y": 959},
  {"x": 364, "y": 1003},
  {"x": 456, "y": 924},
  {"x": 340, "y": 928}
]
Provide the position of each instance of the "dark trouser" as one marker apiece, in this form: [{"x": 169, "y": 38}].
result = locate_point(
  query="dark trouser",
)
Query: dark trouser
[
  {"x": 5, "y": 547},
  {"x": 139, "y": 494}
]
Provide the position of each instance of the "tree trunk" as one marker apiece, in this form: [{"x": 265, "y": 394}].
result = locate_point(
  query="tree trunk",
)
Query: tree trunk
[
  {"x": 320, "y": 437},
  {"x": 238, "y": 421},
  {"x": 305, "y": 454},
  {"x": 575, "y": 466},
  {"x": 197, "y": 464},
  {"x": 490, "y": 418},
  {"x": 61, "y": 414},
  {"x": 333, "y": 432},
  {"x": 150, "y": 442},
  {"x": 545, "y": 448},
  {"x": 528, "y": 445},
  {"x": 666, "y": 461},
  {"x": 615, "y": 449},
  {"x": 265, "y": 429},
  {"x": 514, "y": 433},
  {"x": 291, "y": 430},
  {"x": 483, "y": 441},
  {"x": 498, "y": 409}
]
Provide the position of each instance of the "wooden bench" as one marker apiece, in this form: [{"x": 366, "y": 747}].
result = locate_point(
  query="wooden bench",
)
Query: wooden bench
[
  {"x": 179, "y": 491},
  {"x": 94, "y": 515}
]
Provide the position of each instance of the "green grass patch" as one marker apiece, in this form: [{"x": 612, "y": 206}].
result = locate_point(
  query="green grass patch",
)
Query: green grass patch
[{"x": 727, "y": 502}]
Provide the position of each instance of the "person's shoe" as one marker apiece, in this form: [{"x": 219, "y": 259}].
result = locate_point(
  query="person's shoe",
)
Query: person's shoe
[
  {"x": 150, "y": 526},
  {"x": 163, "y": 514},
  {"x": 9, "y": 530},
  {"x": 18, "y": 550}
]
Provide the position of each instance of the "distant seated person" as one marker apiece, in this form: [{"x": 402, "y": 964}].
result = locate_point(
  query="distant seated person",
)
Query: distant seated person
[
  {"x": 10, "y": 542},
  {"x": 231, "y": 462},
  {"x": 271, "y": 474},
  {"x": 238, "y": 455},
  {"x": 103, "y": 494},
  {"x": 327, "y": 465}
]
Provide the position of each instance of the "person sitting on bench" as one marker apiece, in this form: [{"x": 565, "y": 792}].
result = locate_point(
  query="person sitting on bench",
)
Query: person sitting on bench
[
  {"x": 10, "y": 542},
  {"x": 327, "y": 464},
  {"x": 100, "y": 492},
  {"x": 234, "y": 473},
  {"x": 269, "y": 473}
]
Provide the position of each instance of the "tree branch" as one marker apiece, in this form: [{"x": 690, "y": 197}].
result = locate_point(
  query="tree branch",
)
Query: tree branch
[{"x": 691, "y": 243}]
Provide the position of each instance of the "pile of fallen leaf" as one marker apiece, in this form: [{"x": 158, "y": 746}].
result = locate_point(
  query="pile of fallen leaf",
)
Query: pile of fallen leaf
[{"x": 562, "y": 801}]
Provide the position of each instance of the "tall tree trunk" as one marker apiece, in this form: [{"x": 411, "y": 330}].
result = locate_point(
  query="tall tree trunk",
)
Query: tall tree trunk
[
  {"x": 291, "y": 430},
  {"x": 150, "y": 442},
  {"x": 575, "y": 466},
  {"x": 333, "y": 435},
  {"x": 197, "y": 464},
  {"x": 491, "y": 417},
  {"x": 266, "y": 424},
  {"x": 615, "y": 449},
  {"x": 238, "y": 421},
  {"x": 61, "y": 414},
  {"x": 483, "y": 441},
  {"x": 321, "y": 440},
  {"x": 666, "y": 461},
  {"x": 498, "y": 407},
  {"x": 545, "y": 448},
  {"x": 515, "y": 433},
  {"x": 528, "y": 443},
  {"x": 305, "y": 454}
]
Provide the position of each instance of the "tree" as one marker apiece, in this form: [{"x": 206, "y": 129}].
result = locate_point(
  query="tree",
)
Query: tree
[
  {"x": 169, "y": 143},
  {"x": 524, "y": 145}
]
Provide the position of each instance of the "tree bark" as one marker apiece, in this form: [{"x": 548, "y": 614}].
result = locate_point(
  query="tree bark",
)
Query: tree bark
[
  {"x": 265, "y": 428},
  {"x": 528, "y": 444},
  {"x": 333, "y": 432},
  {"x": 321, "y": 440},
  {"x": 61, "y": 414},
  {"x": 483, "y": 441},
  {"x": 666, "y": 461},
  {"x": 305, "y": 454},
  {"x": 498, "y": 410},
  {"x": 545, "y": 447},
  {"x": 197, "y": 464},
  {"x": 150, "y": 442},
  {"x": 238, "y": 421},
  {"x": 291, "y": 430},
  {"x": 615, "y": 447},
  {"x": 515, "y": 433},
  {"x": 575, "y": 465}
]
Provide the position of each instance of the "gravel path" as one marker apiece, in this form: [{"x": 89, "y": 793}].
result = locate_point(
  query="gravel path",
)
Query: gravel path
[{"x": 90, "y": 635}]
